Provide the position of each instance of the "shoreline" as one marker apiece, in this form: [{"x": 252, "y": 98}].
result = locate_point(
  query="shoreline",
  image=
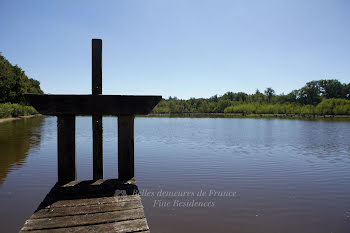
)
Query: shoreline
[
  {"x": 217, "y": 115},
  {"x": 241, "y": 115},
  {"x": 3, "y": 120}
]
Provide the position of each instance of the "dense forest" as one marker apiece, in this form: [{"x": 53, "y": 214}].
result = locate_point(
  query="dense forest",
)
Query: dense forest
[
  {"x": 322, "y": 97},
  {"x": 14, "y": 83}
]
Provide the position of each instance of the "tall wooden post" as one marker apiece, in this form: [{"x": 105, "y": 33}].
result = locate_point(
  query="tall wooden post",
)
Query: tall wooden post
[
  {"x": 97, "y": 119},
  {"x": 126, "y": 147},
  {"x": 66, "y": 148},
  {"x": 66, "y": 107}
]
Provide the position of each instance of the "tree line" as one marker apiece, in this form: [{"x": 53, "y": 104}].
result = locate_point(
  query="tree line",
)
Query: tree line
[
  {"x": 14, "y": 83},
  {"x": 321, "y": 97}
]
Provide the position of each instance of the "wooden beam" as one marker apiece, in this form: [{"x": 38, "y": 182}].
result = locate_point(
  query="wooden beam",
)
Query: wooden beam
[
  {"x": 96, "y": 67},
  {"x": 93, "y": 104},
  {"x": 97, "y": 119},
  {"x": 126, "y": 147},
  {"x": 66, "y": 148}
]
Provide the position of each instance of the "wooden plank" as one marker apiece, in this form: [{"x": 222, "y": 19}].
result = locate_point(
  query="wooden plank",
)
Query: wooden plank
[
  {"x": 126, "y": 147},
  {"x": 89, "y": 206},
  {"x": 97, "y": 147},
  {"x": 135, "y": 225},
  {"x": 93, "y": 104},
  {"x": 66, "y": 148},
  {"x": 79, "y": 193},
  {"x": 86, "y": 209},
  {"x": 81, "y": 220},
  {"x": 95, "y": 201}
]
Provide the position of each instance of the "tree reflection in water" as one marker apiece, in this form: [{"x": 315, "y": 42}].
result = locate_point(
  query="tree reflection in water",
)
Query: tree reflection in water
[{"x": 16, "y": 139}]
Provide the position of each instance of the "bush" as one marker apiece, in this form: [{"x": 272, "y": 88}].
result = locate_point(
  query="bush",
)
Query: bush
[
  {"x": 5, "y": 110},
  {"x": 16, "y": 110},
  {"x": 213, "y": 105},
  {"x": 326, "y": 107},
  {"x": 334, "y": 107},
  {"x": 308, "y": 110}
]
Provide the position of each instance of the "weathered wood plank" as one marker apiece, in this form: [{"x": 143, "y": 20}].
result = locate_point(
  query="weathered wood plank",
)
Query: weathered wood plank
[
  {"x": 81, "y": 220},
  {"x": 90, "y": 192},
  {"x": 136, "y": 225},
  {"x": 126, "y": 147},
  {"x": 86, "y": 209},
  {"x": 94, "y": 201},
  {"x": 66, "y": 148},
  {"x": 93, "y": 104},
  {"x": 87, "y": 206}
]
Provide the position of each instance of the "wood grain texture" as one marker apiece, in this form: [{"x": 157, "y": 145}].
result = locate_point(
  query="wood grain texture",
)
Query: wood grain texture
[
  {"x": 61, "y": 211},
  {"x": 90, "y": 206},
  {"x": 135, "y": 225},
  {"x": 81, "y": 220},
  {"x": 93, "y": 201}
]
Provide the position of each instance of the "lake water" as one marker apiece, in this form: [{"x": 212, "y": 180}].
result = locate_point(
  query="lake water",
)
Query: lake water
[{"x": 243, "y": 175}]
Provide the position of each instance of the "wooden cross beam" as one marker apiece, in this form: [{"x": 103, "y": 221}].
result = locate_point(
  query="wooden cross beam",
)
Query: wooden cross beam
[{"x": 66, "y": 107}]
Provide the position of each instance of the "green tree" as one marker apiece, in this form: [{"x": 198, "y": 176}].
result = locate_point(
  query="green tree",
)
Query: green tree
[
  {"x": 331, "y": 89},
  {"x": 311, "y": 99},
  {"x": 346, "y": 90},
  {"x": 257, "y": 97},
  {"x": 269, "y": 92},
  {"x": 14, "y": 83}
]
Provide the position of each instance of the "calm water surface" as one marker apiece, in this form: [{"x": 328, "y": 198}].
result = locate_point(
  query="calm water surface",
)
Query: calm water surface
[{"x": 246, "y": 175}]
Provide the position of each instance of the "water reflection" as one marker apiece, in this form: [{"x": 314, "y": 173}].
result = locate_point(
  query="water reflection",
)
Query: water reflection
[
  {"x": 289, "y": 175},
  {"x": 16, "y": 139}
]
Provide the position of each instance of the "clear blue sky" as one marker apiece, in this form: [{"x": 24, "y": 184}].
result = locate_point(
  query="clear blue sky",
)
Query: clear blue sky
[{"x": 183, "y": 48}]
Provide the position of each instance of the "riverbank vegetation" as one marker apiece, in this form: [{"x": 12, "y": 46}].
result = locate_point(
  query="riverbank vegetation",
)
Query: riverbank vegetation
[
  {"x": 322, "y": 97},
  {"x": 15, "y": 110},
  {"x": 14, "y": 83}
]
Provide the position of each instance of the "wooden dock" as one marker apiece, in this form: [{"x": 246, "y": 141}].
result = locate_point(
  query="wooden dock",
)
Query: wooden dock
[
  {"x": 99, "y": 205},
  {"x": 90, "y": 206}
]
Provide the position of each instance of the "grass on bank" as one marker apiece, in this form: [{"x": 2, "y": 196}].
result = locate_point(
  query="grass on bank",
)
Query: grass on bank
[
  {"x": 325, "y": 107},
  {"x": 15, "y": 110}
]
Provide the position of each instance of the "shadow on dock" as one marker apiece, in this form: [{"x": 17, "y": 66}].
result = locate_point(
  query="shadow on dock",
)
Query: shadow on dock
[{"x": 90, "y": 206}]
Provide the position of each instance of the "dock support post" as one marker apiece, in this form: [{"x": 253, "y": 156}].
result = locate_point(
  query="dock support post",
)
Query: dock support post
[
  {"x": 66, "y": 148},
  {"x": 126, "y": 147},
  {"x": 97, "y": 119},
  {"x": 97, "y": 147}
]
